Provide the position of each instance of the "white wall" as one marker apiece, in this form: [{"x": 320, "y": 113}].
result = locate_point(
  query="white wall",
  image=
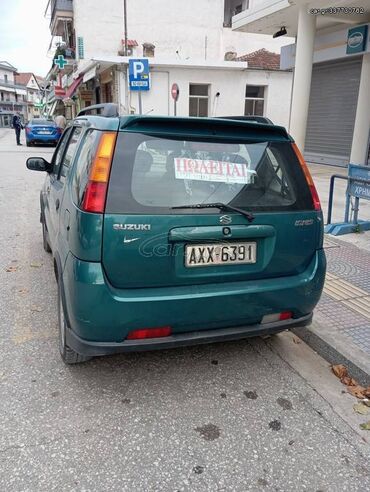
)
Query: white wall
[
  {"x": 9, "y": 73},
  {"x": 194, "y": 28},
  {"x": 230, "y": 83},
  {"x": 100, "y": 23}
]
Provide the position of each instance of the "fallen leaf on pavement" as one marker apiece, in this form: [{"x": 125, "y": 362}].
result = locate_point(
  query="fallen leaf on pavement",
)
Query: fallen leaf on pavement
[
  {"x": 348, "y": 381},
  {"x": 361, "y": 408},
  {"x": 36, "y": 309},
  {"x": 23, "y": 291},
  {"x": 340, "y": 371},
  {"x": 367, "y": 392},
  {"x": 365, "y": 426},
  {"x": 11, "y": 269},
  {"x": 296, "y": 340},
  {"x": 357, "y": 391},
  {"x": 35, "y": 264},
  {"x": 366, "y": 402}
]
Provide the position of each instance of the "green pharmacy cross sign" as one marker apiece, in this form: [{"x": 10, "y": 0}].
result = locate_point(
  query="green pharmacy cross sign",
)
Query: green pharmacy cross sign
[{"x": 60, "y": 61}]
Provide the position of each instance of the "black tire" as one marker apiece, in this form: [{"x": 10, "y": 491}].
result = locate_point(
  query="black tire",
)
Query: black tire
[
  {"x": 28, "y": 144},
  {"x": 69, "y": 356},
  {"x": 45, "y": 240}
]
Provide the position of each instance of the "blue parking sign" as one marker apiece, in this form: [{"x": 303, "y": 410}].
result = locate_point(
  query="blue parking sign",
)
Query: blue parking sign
[{"x": 138, "y": 70}]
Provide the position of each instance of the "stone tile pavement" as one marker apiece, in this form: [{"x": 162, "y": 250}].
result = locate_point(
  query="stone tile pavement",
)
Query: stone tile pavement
[{"x": 345, "y": 304}]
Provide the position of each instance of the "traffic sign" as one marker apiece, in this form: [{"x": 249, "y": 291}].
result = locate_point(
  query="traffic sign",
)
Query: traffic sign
[
  {"x": 175, "y": 91},
  {"x": 359, "y": 181},
  {"x": 60, "y": 61},
  {"x": 138, "y": 70}
]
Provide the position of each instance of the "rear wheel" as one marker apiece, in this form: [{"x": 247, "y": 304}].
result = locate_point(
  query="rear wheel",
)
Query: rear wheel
[
  {"x": 45, "y": 240},
  {"x": 28, "y": 144},
  {"x": 68, "y": 355}
]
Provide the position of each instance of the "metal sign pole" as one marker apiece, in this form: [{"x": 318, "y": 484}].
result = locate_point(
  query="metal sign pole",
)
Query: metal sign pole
[
  {"x": 175, "y": 108},
  {"x": 140, "y": 104}
]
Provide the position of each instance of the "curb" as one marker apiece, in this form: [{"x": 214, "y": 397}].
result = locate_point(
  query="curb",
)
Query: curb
[{"x": 336, "y": 349}]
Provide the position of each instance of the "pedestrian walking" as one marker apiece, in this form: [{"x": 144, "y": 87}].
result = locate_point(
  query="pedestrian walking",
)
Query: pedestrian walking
[
  {"x": 60, "y": 121},
  {"x": 17, "y": 125}
]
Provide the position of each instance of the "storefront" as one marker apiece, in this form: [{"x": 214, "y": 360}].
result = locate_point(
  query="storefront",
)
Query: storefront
[
  {"x": 330, "y": 113},
  {"x": 6, "y": 119}
]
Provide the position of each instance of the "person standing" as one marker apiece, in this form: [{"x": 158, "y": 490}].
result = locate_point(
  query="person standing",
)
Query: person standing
[
  {"x": 17, "y": 125},
  {"x": 60, "y": 121}
]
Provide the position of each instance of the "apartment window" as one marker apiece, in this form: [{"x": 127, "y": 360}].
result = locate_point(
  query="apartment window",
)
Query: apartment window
[
  {"x": 2, "y": 96},
  {"x": 198, "y": 99},
  {"x": 5, "y": 78},
  {"x": 254, "y": 100},
  {"x": 233, "y": 7}
]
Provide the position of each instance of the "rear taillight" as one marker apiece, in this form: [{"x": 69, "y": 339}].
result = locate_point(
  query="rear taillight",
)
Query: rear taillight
[
  {"x": 273, "y": 318},
  {"x": 163, "y": 331},
  {"x": 28, "y": 129},
  {"x": 97, "y": 186},
  {"x": 302, "y": 162},
  {"x": 59, "y": 130}
]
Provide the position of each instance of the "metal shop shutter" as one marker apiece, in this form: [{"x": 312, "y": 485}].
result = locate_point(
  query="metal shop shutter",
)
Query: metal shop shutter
[{"x": 332, "y": 111}]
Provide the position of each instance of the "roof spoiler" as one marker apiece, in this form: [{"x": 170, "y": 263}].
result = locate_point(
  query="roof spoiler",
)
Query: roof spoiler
[
  {"x": 203, "y": 127},
  {"x": 108, "y": 110}
]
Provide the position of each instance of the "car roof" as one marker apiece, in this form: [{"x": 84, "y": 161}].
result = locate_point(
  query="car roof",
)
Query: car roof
[{"x": 172, "y": 126}]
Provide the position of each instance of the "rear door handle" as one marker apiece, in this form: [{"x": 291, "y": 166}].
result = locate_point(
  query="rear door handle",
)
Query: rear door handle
[{"x": 57, "y": 203}]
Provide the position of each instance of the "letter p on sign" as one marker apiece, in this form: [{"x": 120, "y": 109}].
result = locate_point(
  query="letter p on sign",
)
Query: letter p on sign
[{"x": 138, "y": 68}]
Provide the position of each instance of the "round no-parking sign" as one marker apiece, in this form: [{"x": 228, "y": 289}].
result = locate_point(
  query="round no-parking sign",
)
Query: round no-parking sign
[{"x": 175, "y": 91}]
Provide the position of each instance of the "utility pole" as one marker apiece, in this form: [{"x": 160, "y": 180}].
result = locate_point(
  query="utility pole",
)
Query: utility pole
[
  {"x": 125, "y": 25},
  {"x": 127, "y": 94}
]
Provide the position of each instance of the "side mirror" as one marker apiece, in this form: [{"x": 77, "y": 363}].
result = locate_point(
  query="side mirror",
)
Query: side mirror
[{"x": 38, "y": 164}]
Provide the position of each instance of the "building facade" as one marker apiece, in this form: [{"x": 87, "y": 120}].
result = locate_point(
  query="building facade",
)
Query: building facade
[
  {"x": 33, "y": 93},
  {"x": 13, "y": 96},
  {"x": 330, "y": 113},
  {"x": 188, "y": 43}
]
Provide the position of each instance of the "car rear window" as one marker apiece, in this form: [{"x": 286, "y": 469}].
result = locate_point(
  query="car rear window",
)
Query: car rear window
[
  {"x": 42, "y": 122},
  {"x": 152, "y": 175}
]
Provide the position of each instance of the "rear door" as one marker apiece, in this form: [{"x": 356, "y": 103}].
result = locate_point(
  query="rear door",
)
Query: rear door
[
  {"x": 53, "y": 187},
  {"x": 149, "y": 243},
  {"x": 63, "y": 161}
]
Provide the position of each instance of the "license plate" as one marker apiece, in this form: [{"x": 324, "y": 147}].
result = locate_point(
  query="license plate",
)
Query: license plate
[
  {"x": 42, "y": 132},
  {"x": 203, "y": 255}
]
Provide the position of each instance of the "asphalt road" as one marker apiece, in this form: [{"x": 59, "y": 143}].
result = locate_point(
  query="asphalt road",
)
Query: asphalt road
[{"x": 225, "y": 417}]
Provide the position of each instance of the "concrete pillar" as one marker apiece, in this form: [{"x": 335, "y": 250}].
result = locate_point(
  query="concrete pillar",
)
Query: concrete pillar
[
  {"x": 360, "y": 138},
  {"x": 302, "y": 75}
]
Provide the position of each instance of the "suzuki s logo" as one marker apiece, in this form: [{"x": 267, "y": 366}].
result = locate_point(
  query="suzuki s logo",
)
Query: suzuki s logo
[
  {"x": 131, "y": 227},
  {"x": 225, "y": 219}
]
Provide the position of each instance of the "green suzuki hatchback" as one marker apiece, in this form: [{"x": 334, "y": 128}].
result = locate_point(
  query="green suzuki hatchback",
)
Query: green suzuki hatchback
[{"x": 169, "y": 231}]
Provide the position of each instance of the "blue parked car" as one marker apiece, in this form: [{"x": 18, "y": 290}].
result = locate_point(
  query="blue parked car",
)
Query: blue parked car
[{"x": 42, "y": 132}]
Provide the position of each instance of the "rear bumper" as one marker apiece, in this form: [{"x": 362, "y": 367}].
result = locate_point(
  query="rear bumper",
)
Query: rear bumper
[
  {"x": 100, "y": 316},
  {"x": 31, "y": 137},
  {"x": 89, "y": 348}
]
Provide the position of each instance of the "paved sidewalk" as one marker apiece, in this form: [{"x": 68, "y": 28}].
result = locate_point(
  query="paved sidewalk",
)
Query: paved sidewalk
[{"x": 341, "y": 328}]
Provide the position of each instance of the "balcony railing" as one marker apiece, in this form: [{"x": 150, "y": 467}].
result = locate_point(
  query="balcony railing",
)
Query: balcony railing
[{"x": 11, "y": 84}]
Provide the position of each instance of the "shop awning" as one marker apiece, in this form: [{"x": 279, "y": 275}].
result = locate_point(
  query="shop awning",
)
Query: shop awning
[{"x": 72, "y": 89}]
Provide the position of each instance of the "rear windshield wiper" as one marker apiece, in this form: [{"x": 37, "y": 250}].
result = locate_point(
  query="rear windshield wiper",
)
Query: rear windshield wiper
[{"x": 222, "y": 206}]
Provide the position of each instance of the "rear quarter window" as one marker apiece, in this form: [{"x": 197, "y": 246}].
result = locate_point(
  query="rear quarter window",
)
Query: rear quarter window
[
  {"x": 84, "y": 160},
  {"x": 69, "y": 153},
  {"x": 152, "y": 175}
]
